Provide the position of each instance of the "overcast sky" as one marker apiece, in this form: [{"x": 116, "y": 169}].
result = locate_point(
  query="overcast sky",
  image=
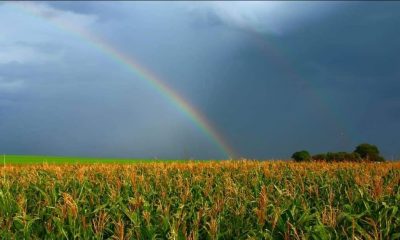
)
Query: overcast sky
[{"x": 272, "y": 77}]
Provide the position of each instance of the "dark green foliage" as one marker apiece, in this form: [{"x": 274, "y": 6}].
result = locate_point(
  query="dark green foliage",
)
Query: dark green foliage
[
  {"x": 337, "y": 157},
  {"x": 319, "y": 157},
  {"x": 301, "y": 156},
  {"x": 364, "y": 152},
  {"x": 369, "y": 152}
]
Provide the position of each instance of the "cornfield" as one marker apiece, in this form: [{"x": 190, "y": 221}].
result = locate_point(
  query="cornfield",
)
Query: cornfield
[{"x": 206, "y": 200}]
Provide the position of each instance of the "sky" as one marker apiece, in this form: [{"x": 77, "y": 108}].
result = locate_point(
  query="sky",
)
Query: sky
[{"x": 271, "y": 78}]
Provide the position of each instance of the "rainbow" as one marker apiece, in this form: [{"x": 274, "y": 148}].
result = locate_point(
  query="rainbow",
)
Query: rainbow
[
  {"x": 280, "y": 60},
  {"x": 134, "y": 67}
]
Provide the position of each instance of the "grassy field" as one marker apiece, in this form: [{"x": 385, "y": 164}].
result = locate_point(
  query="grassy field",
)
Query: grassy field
[
  {"x": 200, "y": 200},
  {"x": 36, "y": 159}
]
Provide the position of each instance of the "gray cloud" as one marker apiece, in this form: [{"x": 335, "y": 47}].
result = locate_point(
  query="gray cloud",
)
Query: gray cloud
[
  {"x": 273, "y": 17},
  {"x": 273, "y": 77},
  {"x": 334, "y": 86},
  {"x": 10, "y": 86}
]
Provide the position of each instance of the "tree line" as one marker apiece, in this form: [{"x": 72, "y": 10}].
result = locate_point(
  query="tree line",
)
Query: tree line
[{"x": 362, "y": 153}]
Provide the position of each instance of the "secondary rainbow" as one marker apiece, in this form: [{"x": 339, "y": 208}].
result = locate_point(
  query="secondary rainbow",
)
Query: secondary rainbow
[
  {"x": 183, "y": 105},
  {"x": 280, "y": 59}
]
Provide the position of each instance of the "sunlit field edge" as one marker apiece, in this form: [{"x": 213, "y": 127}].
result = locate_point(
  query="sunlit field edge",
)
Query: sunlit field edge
[{"x": 43, "y": 159}]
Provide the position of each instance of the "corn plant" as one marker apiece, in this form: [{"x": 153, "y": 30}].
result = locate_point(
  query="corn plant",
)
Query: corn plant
[{"x": 201, "y": 200}]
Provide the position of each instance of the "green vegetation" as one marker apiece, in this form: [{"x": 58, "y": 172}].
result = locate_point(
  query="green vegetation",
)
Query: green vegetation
[
  {"x": 363, "y": 153},
  {"x": 36, "y": 159},
  {"x": 301, "y": 156},
  {"x": 337, "y": 157},
  {"x": 210, "y": 200},
  {"x": 370, "y": 152}
]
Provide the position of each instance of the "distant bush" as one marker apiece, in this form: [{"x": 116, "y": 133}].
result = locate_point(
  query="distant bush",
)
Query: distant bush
[
  {"x": 337, "y": 157},
  {"x": 301, "y": 156},
  {"x": 319, "y": 157},
  {"x": 363, "y": 152},
  {"x": 369, "y": 152}
]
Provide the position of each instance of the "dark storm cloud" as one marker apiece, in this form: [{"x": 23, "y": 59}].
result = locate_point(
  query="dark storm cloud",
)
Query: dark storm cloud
[
  {"x": 348, "y": 62},
  {"x": 103, "y": 9},
  {"x": 274, "y": 77}
]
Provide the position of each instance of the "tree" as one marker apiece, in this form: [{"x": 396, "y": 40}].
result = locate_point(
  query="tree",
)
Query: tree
[
  {"x": 338, "y": 157},
  {"x": 301, "y": 156},
  {"x": 319, "y": 157},
  {"x": 369, "y": 152}
]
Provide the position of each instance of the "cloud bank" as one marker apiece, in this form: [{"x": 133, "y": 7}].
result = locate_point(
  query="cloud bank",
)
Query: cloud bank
[
  {"x": 274, "y": 17},
  {"x": 273, "y": 77}
]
